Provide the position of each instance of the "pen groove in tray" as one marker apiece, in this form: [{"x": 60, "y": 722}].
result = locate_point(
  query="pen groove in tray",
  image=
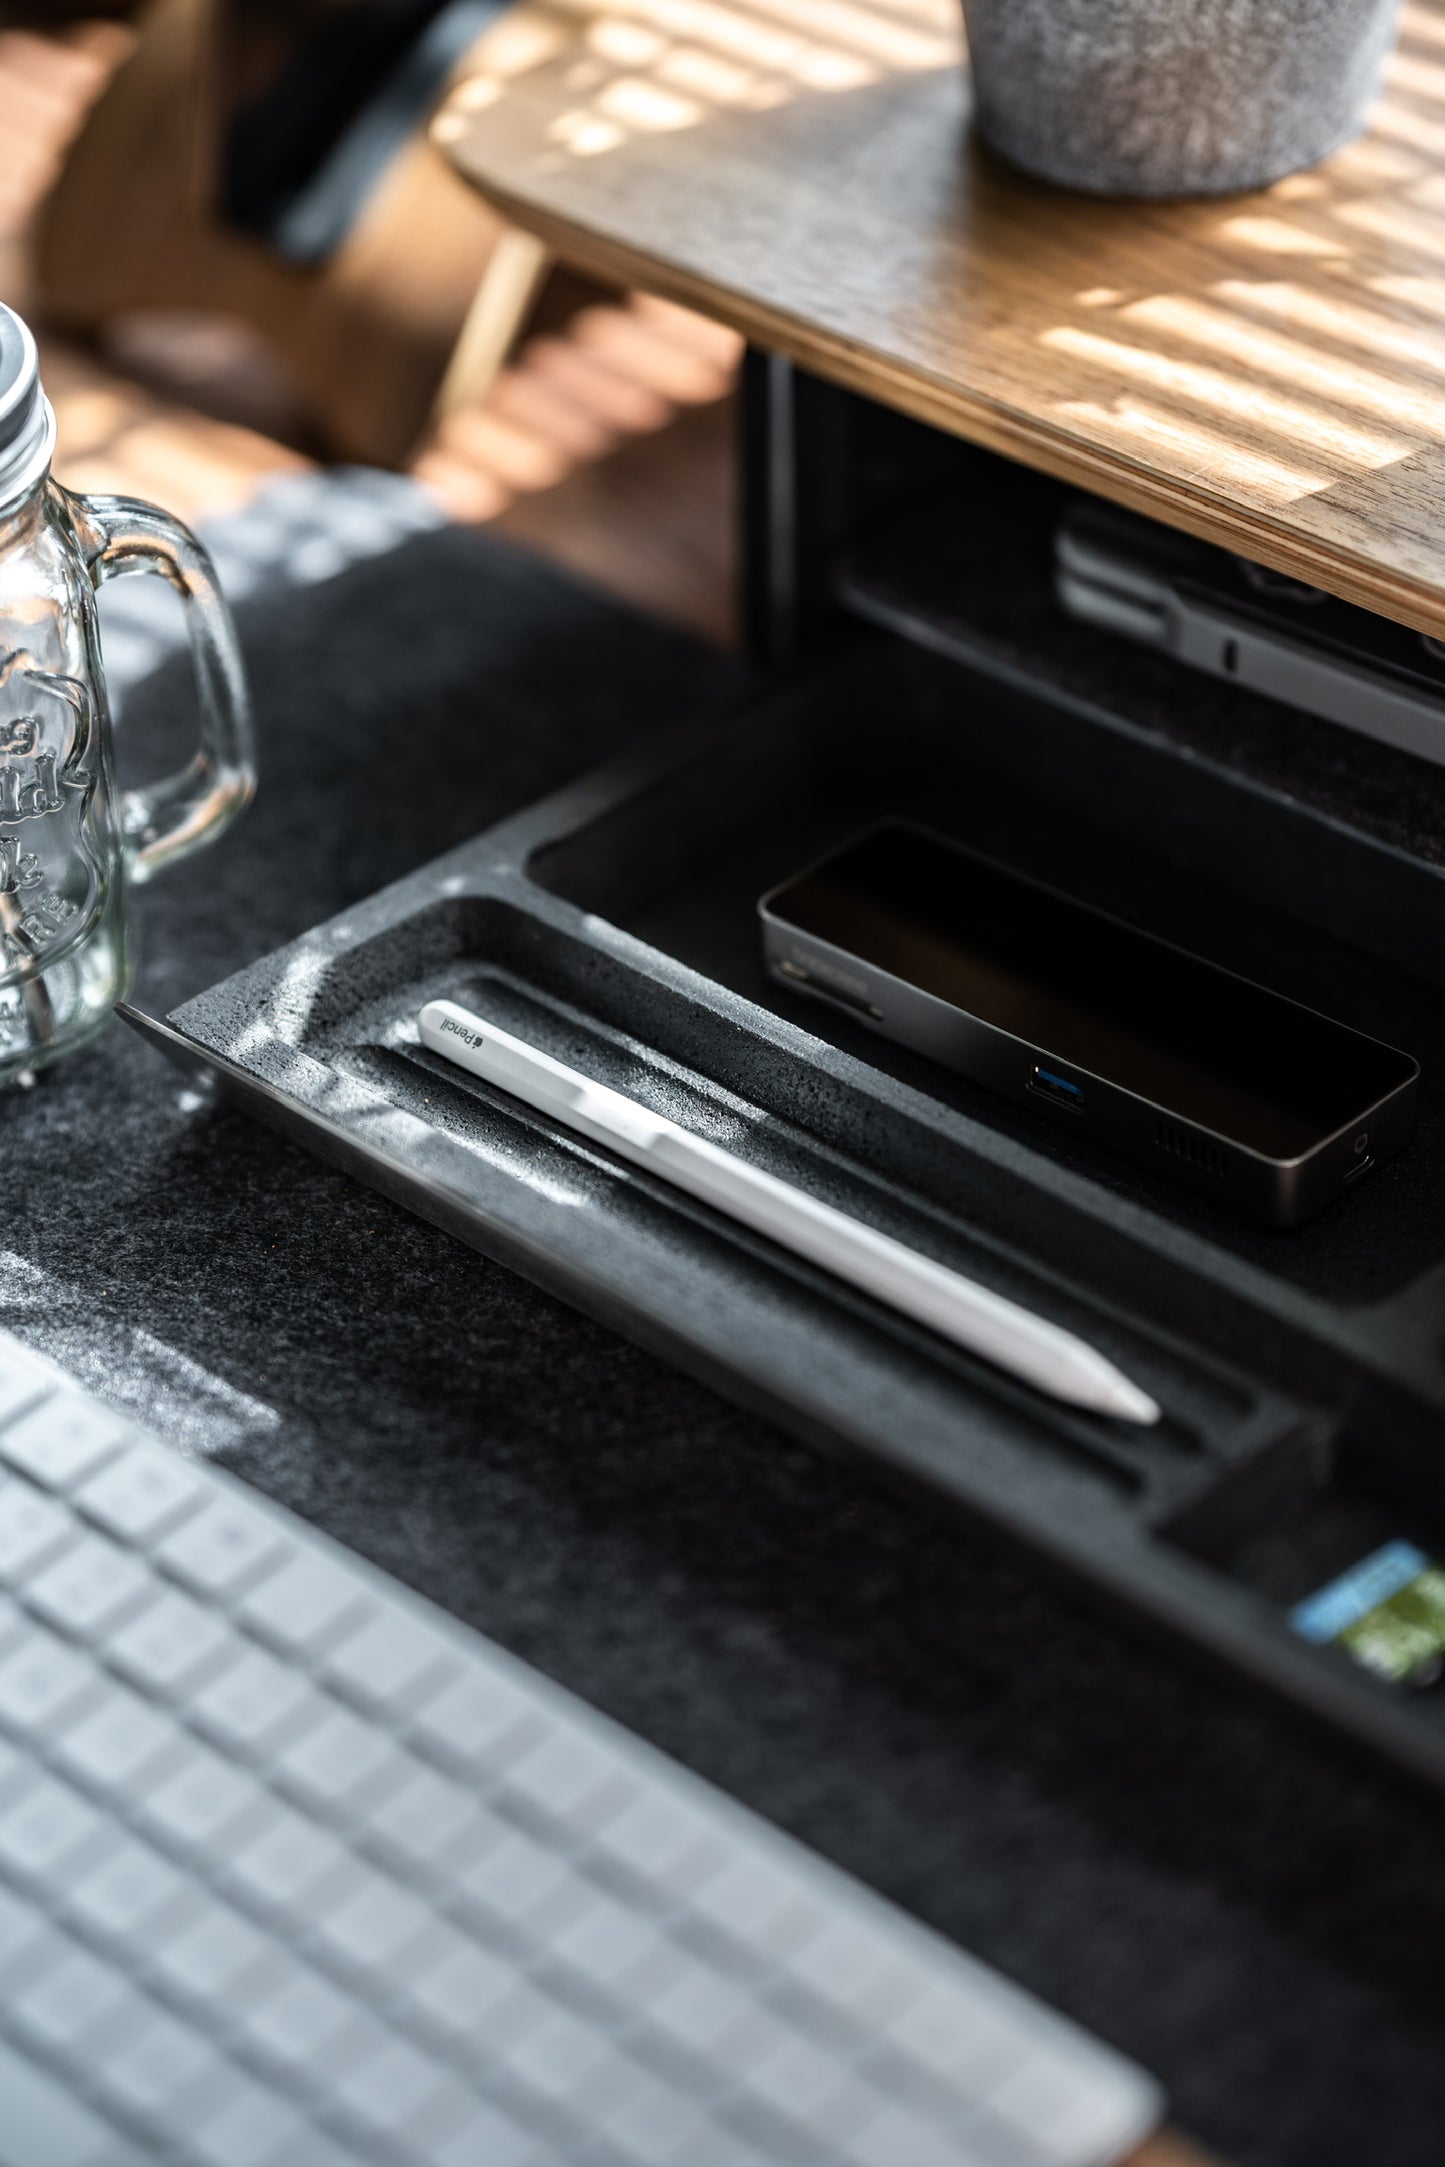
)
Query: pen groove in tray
[
  {"x": 789, "y": 1152},
  {"x": 1163, "y": 1470},
  {"x": 1105, "y": 1444}
]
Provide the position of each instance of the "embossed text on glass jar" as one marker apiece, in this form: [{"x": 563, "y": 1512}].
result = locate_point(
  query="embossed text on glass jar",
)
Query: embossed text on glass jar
[{"x": 70, "y": 846}]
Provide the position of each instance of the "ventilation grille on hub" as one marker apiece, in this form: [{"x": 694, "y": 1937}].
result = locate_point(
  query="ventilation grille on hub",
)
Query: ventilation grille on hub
[{"x": 1196, "y": 1151}]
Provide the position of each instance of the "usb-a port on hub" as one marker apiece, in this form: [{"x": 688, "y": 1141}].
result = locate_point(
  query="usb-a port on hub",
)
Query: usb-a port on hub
[{"x": 1051, "y": 1085}]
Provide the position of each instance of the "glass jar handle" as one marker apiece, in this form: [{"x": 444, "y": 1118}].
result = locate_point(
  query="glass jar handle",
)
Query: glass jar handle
[{"x": 183, "y": 811}]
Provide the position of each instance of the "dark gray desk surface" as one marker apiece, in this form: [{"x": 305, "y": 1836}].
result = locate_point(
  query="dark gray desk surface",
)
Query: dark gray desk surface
[{"x": 1259, "y": 1921}]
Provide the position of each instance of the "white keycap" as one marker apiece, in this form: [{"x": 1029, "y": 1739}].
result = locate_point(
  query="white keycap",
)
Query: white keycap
[
  {"x": 311, "y": 2149},
  {"x": 572, "y": 1778},
  {"x": 699, "y": 2007},
  {"x": 155, "y": 2059},
  {"x": 392, "y": 1658},
  {"x": 122, "y": 1745},
  {"x": 22, "y": 1382},
  {"x": 303, "y": 1606},
  {"x": 61, "y": 1441},
  {"x": 221, "y": 1549},
  {"x": 478, "y": 1723},
  {"x": 211, "y": 1955},
  {"x": 43, "y": 2126},
  {"x": 89, "y": 1587},
  {"x": 650, "y": 2121},
  {"x": 252, "y": 1702},
  {"x": 69, "y": 1993},
  {"x": 372, "y": 1922},
  {"x": 203, "y": 1803},
  {"x": 45, "y": 1827},
  {"x": 241, "y": 2124},
  {"x": 960, "y": 2036},
  {"x": 758, "y": 2035},
  {"x": 898, "y": 2134},
  {"x": 797, "y": 2078},
  {"x": 340, "y": 1763},
  {"x": 20, "y": 1928},
  {"x": 606, "y": 1941},
  {"x": 557, "y": 2055},
  {"x": 463, "y": 1988},
  {"x": 836, "y": 2117},
  {"x": 391, "y": 2088},
  {"x": 1059, "y": 2107},
  {"x": 424, "y": 1822},
  {"x": 32, "y": 1528},
  {"x": 513, "y": 1877},
  {"x": 525, "y": 2007},
  {"x": 142, "y": 1493},
  {"x": 285, "y": 1860},
  {"x": 714, "y": 2146},
  {"x": 173, "y": 1643},
  {"x": 13, "y": 1765},
  {"x": 666, "y": 1842},
  {"x": 490, "y": 2135},
  {"x": 853, "y": 1970},
  {"x": 42, "y": 1682},
  {"x": 126, "y": 1891},
  {"x": 756, "y": 1906},
  {"x": 299, "y": 2024}
]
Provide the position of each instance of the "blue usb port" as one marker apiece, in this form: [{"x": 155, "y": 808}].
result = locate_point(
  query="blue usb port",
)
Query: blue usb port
[{"x": 1051, "y": 1085}]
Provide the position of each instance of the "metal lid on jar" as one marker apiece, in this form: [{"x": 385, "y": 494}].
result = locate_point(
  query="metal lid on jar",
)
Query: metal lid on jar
[{"x": 27, "y": 426}]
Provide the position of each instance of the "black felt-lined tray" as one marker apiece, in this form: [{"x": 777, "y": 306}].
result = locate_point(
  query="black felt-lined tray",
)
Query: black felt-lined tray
[{"x": 1302, "y": 1374}]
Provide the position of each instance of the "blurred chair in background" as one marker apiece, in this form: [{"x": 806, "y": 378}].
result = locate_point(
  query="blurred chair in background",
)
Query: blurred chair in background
[
  {"x": 267, "y": 160},
  {"x": 238, "y": 271}
]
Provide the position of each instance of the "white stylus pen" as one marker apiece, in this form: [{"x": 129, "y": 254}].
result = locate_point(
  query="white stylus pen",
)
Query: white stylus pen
[{"x": 1042, "y": 1354}]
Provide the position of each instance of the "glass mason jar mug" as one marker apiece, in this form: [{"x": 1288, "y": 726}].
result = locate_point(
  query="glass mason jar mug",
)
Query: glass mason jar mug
[{"x": 70, "y": 844}]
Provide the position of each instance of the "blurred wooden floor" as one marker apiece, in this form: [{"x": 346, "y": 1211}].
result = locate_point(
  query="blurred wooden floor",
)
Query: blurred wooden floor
[{"x": 605, "y": 444}]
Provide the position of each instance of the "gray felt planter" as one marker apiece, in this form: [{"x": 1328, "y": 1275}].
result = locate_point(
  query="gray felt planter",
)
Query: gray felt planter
[{"x": 1174, "y": 97}]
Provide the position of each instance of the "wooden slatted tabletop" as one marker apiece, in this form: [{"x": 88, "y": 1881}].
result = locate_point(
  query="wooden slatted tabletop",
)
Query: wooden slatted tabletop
[{"x": 1266, "y": 371}]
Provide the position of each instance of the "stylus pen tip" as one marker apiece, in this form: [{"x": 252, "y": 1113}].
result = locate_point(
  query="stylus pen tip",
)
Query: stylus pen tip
[{"x": 1126, "y": 1401}]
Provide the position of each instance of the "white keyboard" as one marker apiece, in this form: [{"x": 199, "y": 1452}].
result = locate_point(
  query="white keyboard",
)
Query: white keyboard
[{"x": 295, "y": 1870}]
